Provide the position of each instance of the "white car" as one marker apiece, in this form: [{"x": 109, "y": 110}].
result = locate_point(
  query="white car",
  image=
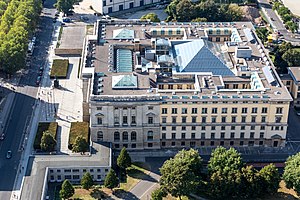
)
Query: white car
[{"x": 8, "y": 154}]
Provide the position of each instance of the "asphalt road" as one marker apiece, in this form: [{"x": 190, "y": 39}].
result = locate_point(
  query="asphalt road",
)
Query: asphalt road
[
  {"x": 23, "y": 105},
  {"x": 276, "y": 23}
]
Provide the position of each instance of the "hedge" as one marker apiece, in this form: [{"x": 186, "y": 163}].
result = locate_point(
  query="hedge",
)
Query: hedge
[
  {"x": 59, "y": 68},
  {"x": 42, "y": 127},
  {"x": 78, "y": 129}
]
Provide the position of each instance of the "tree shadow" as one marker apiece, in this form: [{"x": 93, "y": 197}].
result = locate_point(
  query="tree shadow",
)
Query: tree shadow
[
  {"x": 99, "y": 194},
  {"x": 138, "y": 174},
  {"x": 122, "y": 194}
]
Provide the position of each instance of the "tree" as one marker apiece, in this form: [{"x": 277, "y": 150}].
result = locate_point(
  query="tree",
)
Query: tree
[
  {"x": 270, "y": 178},
  {"x": 262, "y": 33},
  {"x": 124, "y": 160},
  {"x": 251, "y": 184},
  {"x": 158, "y": 194},
  {"x": 80, "y": 145},
  {"x": 48, "y": 143},
  {"x": 86, "y": 181},
  {"x": 291, "y": 174},
  {"x": 64, "y": 5},
  {"x": 180, "y": 175},
  {"x": 111, "y": 180},
  {"x": 185, "y": 10},
  {"x": 151, "y": 16},
  {"x": 67, "y": 190},
  {"x": 292, "y": 57},
  {"x": 224, "y": 168}
]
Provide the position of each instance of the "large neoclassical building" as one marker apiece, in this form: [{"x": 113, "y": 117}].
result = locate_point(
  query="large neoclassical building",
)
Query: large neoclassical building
[{"x": 175, "y": 85}]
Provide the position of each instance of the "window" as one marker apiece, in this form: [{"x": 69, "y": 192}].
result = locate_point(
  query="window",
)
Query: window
[
  {"x": 98, "y": 170},
  {"x": 173, "y": 135},
  {"x": 163, "y": 135},
  {"x": 202, "y": 135},
  {"x": 163, "y": 128},
  {"x": 204, "y": 110},
  {"x": 261, "y": 135},
  {"x": 117, "y": 146},
  {"x": 214, "y": 110},
  {"x": 252, "y": 135},
  {"x": 193, "y": 135},
  {"x": 233, "y": 119},
  {"x": 194, "y": 119},
  {"x": 222, "y": 135},
  {"x": 68, "y": 176},
  {"x": 262, "y": 127},
  {"x": 173, "y": 144},
  {"x": 242, "y": 135},
  {"x": 254, "y": 110},
  {"x": 125, "y": 136},
  {"x": 224, "y": 110},
  {"x": 264, "y": 110},
  {"x": 253, "y": 119},
  {"x": 150, "y": 107},
  {"x": 221, "y": 143},
  {"x": 133, "y": 136},
  {"x": 243, "y": 119},
  {"x": 99, "y": 120},
  {"x": 194, "y": 110},
  {"x": 223, "y": 119},
  {"x": 163, "y": 120},
  {"x": 278, "y": 119},
  {"x": 231, "y": 143},
  {"x": 232, "y": 134},
  {"x": 99, "y": 136},
  {"x": 67, "y": 170},
  {"x": 150, "y": 135},
  {"x": 213, "y": 128},
  {"x": 164, "y": 111},
  {"x": 174, "y": 110},
  {"x": 222, "y": 127},
  {"x": 116, "y": 120},
  {"x": 202, "y": 128},
  {"x": 150, "y": 145},
  {"x": 183, "y": 119},
  {"x": 193, "y": 128},
  {"x": 279, "y": 110},
  {"x": 263, "y": 119},
  {"x": 192, "y": 144},
  {"x": 234, "y": 110},
  {"x": 232, "y": 127},
  {"x": 213, "y": 119},
  {"x": 163, "y": 144},
  {"x": 182, "y": 143},
  {"x": 244, "y": 110},
  {"x": 203, "y": 119},
  {"x": 173, "y": 119},
  {"x": 261, "y": 143},
  {"x": 170, "y": 87},
  {"x": 76, "y": 177},
  {"x": 125, "y": 120},
  {"x": 212, "y": 135},
  {"x": 183, "y": 128},
  {"x": 99, "y": 108},
  {"x": 173, "y": 128},
  {"x": 212, "y": 143},
  {"x": 116, "y": 136},
  {"x": 133, "y": 121},
  {"x": 182, "y": 135},
  {"x": 184, "y": 110},
  {"x": 150, "y": 120},
  {"x": 243, "y": 127},
  {"x": 241, "y": 143},
  {"x": 252, "y": 127}
]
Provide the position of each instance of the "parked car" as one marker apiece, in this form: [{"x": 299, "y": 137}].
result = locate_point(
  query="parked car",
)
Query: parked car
[
  {"x": 8, "y": 154},
  {"x": 2, "y": 136},
  {"x": 66, "y": 19},
  {"x": 57, "y": 13},
  {"x": 38, "y": 80}
]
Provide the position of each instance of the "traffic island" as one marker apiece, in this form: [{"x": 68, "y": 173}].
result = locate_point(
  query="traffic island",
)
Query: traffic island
[
  {"x": 43, "y": 127},
  {"x": 59, "y": 68},
  {"x": 79, "y": 130}
]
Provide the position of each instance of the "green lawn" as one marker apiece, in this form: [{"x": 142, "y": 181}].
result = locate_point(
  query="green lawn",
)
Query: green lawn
[
  {"x": 44, "y": 126},
  {"x": 78, "y": 129},
  {"x": 59, "y": 68}
]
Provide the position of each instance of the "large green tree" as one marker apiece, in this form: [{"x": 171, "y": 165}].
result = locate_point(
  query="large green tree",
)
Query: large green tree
[
  {"x": 80, "y": 145},
  {"x": 292, "y": 57},
  {"x": 123, "y": 160},
  {"x": 87, "y": 181},
  {"x": 270, "y": 179},
  {"x": 64, "y": 5},
  {"x": 111, "y": 180},
  {"x": 67, "y": 190},
  {"x": 291, "y": 174},
  {"x": 151, "y": 16},
  {"x": 48, "y": 143},
  {"x": 180, "y": 175},
  {"x": 158, "y": 194}
]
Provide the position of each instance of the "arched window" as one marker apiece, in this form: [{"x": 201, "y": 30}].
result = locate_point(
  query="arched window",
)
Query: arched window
[
  {"x": 116, "y": 136},
  {"x": 133, "y": 136},
  {"x": 99, "y": 136},
  {"x": 125, "y": 136}
]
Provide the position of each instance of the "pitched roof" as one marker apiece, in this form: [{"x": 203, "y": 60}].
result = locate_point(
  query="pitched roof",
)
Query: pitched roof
[
  {"x": 124, "y": 82},
  {"x": 123, "y": 34},
  {"x": 196, "y": 56}
]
